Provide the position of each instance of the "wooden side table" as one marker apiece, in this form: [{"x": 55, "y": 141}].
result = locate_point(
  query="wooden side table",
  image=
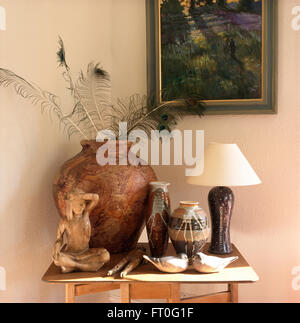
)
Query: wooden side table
[{"x": 146, "y": 282}]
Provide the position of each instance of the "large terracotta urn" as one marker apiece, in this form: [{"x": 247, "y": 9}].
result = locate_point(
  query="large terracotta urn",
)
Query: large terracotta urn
[{"x": 119, "y": 218}]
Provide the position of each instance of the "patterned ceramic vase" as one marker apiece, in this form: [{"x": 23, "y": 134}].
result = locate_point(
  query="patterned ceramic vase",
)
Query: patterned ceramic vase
[
  {"x": 157, "y": 218},
  {"x": 189, "y": 228}
]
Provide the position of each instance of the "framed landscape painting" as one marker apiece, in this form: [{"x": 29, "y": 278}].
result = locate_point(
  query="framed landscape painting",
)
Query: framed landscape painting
[{"x": 222, "y": 51}]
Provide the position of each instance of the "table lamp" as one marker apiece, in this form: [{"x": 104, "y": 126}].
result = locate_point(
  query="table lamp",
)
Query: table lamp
[{"x": 224, "y": 165}]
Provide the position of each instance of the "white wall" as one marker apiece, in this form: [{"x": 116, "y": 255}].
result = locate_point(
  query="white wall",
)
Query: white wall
[{"x": 266, "y": 221}]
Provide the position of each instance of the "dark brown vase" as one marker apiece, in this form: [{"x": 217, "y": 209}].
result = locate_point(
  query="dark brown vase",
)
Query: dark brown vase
[
  {"x": 119, "y": 218},
  {"x": 221, "y": 202},
  {"x": 157, "y": 218}
]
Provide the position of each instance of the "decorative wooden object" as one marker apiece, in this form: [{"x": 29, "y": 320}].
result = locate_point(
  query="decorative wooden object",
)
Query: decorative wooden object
[
  {"x": 146, "y": 282},
  {"x": 118, "y": 219},
  {"x": 128, "y": 263},
  {"x": 157, "y": 218},
  {"x": 73, "y": 252}
]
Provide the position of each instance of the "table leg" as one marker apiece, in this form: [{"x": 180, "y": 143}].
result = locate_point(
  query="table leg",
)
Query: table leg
[
  {"x": 174, "y": 293},
  {"x": 125, "y": 292},
  {"x": 234, "y": 293},
  {"x": 70, "y": 293}
]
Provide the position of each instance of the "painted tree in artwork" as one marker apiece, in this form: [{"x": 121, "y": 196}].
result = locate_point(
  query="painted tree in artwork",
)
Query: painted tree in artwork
[
  {"x": 246, "y": 5},
  {"x": 174, "y": 23},
  {"x": 221, "y": 3},
  {"x": 192, "y": 4},
  {"x": 218, "y": 52}
]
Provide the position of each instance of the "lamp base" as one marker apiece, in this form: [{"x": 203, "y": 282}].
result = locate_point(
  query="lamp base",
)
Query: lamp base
[{"x": 221, "y": 201}]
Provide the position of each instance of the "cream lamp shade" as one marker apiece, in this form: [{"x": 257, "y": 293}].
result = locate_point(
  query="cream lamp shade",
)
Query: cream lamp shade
[{"x": 225, "y": 165}]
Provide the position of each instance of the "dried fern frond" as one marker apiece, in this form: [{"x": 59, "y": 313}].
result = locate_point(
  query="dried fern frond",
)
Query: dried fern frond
[{"x": 47, "y": 101}]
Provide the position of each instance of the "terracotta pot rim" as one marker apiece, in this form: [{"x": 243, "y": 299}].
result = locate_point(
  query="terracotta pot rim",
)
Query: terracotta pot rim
[
  {"x": 84, "y": 141},
  {"x": 93, "y": 144},
  {"x": 105, "y": 140}
]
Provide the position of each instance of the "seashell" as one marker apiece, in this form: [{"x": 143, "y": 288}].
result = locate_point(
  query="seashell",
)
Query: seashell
[
  {"x": 211, "y": 264},
  {"x": 170, "y": 264}
]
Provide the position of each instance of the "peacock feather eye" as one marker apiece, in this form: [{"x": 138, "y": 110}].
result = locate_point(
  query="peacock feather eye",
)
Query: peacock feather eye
[
  {"x": 163, "y": 127},
  {"x": 191, "y": 101},
  {"x": 165, "y": 117},
  {"x": 61, "y": 54},
  {"x": 99, "y": 71}
]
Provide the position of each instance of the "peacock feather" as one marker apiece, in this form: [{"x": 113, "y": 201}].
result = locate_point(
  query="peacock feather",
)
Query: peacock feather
[
  {"x": 47, "y": 101},
  {"x": 93, "y": 110}
]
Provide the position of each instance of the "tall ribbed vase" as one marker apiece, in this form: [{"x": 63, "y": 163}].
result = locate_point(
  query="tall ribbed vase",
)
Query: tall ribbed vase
[{"x": 157, "y": 218}]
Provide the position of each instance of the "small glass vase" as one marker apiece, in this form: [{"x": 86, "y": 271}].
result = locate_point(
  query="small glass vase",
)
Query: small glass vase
[
  {"x": 189, "y": 229},
  {"x": 157, "y": 218}
]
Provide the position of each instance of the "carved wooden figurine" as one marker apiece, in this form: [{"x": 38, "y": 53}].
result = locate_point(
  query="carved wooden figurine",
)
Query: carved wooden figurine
[
  {"x": 75, "y": 228},
  {"x": 127, "y": 264}
]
